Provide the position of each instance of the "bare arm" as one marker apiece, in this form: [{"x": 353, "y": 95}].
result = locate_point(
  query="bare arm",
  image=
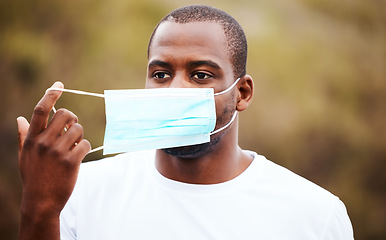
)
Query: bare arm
[{"x": 49, "y": 161}]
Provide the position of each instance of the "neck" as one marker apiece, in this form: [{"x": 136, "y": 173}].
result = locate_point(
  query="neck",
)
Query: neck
[{"x": 223, "y": 163}]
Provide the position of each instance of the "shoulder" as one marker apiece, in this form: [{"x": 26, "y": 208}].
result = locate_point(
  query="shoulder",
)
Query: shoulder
[
  {"x": 304, "y": 201},
  {"x": 283, "y": 179},
  {"x": 292, "y": 191}
]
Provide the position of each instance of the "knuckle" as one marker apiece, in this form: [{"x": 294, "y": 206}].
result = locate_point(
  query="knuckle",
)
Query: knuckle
[
  {"x": 85, "y": 145},
  {"x": 56, "y": 150},
  {"x": 77, "y": 127},
  {"x": 43, "y": 145},
  {"x": 28, "y": 142},
  {"x": 76, "y": 130},
  {"x": 73, "y": 118},
  {"x": 67, "y": 161},
  {"x": 40, "y": 110},
  {"x": 62, "y": 112}
]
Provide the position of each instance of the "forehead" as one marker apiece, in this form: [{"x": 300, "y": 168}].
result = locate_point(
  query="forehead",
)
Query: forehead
[{"x": 206, "y": 39}]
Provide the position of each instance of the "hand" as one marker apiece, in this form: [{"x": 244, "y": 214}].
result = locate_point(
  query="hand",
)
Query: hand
[{"x": 49, "y": 158}]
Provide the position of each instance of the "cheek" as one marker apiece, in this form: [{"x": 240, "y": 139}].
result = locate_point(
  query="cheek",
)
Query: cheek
[
  {"x": 150, "y": 84},
  {"x": 147, "y": 84},
  {"x": 225, "y": 107}
]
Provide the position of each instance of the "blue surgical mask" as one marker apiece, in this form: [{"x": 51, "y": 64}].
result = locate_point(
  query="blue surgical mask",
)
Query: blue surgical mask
[{"x": 142, "y": 119}]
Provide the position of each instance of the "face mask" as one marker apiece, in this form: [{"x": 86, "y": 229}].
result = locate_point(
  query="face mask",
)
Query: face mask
[{"x": 142, "y": 119}]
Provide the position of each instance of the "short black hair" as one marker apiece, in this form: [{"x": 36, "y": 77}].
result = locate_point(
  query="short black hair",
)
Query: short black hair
[{"x": 234, "y": 33}]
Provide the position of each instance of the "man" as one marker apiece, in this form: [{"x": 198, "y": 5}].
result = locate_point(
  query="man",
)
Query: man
[{"x": 213, "y": 190}]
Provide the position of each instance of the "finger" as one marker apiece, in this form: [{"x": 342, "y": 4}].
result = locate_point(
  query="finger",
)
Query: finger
[
  {"x": 82, "y": 149},
  {"x": 23, "y": 126},
  {"x": 73, "y": 135},
  {"x": 59, "y": 121},
  {"x": 43, "y": 108}
]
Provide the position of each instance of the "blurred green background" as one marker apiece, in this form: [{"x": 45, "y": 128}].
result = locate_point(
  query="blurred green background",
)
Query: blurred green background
[{"x": 320, "y": 76}]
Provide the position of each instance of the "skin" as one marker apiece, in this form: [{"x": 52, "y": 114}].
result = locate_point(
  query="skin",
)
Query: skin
[
  {"x": 49, "y": 163},
  {"x": 192, "y": 55},
  {"x": 49, "y": 157}
]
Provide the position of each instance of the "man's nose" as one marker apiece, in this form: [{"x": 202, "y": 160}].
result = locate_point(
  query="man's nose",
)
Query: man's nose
[{"x": 180, "y": 82}]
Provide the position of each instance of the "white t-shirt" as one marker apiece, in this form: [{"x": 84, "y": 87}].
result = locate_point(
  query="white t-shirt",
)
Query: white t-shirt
[{"x": 125, "y": 197}]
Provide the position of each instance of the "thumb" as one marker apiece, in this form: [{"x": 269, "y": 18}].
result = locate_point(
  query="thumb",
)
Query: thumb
[{"x": 23, "y": 126}]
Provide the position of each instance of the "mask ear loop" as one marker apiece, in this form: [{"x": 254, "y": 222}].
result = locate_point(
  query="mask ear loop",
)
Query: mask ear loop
[
  {"x": 81, "y": 93},
  {"x": 77, "y": 92},
  {"x": 226, "y": 125},
  {"x": 228, "y": 89},
  {"x": 234, "y": 114}
]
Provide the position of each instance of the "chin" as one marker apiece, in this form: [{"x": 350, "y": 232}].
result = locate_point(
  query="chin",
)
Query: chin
[{"x": 193, "y": 151}]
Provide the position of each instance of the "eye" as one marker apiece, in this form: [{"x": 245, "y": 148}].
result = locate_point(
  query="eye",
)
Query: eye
[
  {"x": 201, "y": 76},
  {"x": 161, "y": 75}
]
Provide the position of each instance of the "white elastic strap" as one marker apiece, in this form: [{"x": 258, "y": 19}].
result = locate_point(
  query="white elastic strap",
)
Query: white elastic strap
[
  {"x": 77, "y": 92},
  {"x": 226, "y": 125},
  {"x": 228, "y": 89},
  {"x": 234, "y": 115},
  {"x": 96, "y": 149},
  {"x": 81, "y": 93}
]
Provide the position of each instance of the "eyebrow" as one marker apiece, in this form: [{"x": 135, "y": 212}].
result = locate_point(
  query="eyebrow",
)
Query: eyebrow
[
  {"x": 204, "y": 62},
  {"x": 159, "y": 63}
]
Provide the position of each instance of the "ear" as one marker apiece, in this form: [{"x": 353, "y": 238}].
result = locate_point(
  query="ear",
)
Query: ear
[{"x": 245, "y": 94}]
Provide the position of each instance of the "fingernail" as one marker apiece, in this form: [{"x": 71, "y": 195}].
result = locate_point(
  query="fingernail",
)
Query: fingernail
[{"x": 58, "y": 84}]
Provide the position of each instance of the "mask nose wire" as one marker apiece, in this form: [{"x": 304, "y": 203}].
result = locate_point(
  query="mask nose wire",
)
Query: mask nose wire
[{"x": 81, "y": 93}]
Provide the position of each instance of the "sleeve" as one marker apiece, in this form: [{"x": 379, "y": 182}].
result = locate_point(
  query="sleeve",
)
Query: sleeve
[{"x": 339, "y": 226}]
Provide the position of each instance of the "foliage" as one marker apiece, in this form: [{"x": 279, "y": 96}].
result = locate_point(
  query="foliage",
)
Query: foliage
[{"x": 319, "y": 68}]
